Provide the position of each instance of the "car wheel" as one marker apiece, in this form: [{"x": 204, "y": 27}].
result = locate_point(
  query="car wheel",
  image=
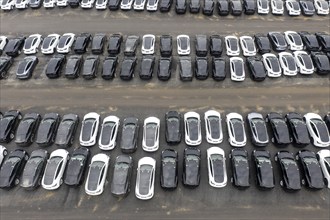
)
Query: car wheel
[
  {"x": 5, "y": 152},
  {"x": 281, "y": 183},
  {"x": 12, "y": 136},
  {"x": 275, "y": 158},
  {"x": 61, "y": 181},
  {"x": 297, "y": 158},
  {"x": 16, "y": 181},
  {"x": 26, "y": 157},
  {"x": 272, "y": 139},
  {"x": 303, "y": 181}
]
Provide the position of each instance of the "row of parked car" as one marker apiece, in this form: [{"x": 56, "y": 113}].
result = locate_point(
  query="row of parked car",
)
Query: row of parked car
[
  {"x": 293, "y": 128},
  {"x": 51, "y": 171},
  {"x": 224, "y": 7}
]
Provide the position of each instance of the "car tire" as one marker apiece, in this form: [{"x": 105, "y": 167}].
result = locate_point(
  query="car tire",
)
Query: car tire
[
  {"x": 273, "y": 140},
  {"x": 26, "y": 157},
  {"x": 281, "y": 183},
  {"x": 16, "y": 181},
  {"x": 297, "y": 158},
  {"x": 11, "y": 135},
  {"x": 5, "y": 152},
  {"x": 303, "y": 181},
  {"x": 276, "y": 158},
  {"x": 61, "y": 182}
]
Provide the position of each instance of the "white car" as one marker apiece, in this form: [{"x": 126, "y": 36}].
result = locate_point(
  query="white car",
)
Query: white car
[
  {"x": 87, "y": 3},
  {"x": 324, "y": 159},
  {"x": 293, "y": 7},
  {"x": 272, "y": 65},
  {"x": 148, "y": 44},
  {"x": 32, "y": 43},
  {"x": 109, "y": 131},
  {"x": 8, "y": 5},
  {"x": 101, "y": 4},
  {"x": 213, "y": 127},
  {"x": 317, "y": 130},
  {"x": 49, "y": 3},
  {"x": 145, "y": 178},
  {"x": 232, "y": 46},
  {"x": 248, "y": 46},
  {"x": 3, "y": 42},
  {"x": 294, "y": 40},
  {"x": 304, "y": 62},
  {"x": 183, "y": 43},
  {"x": 236, "y": 130},
  {"x": 89, "y": 128},
  {"x": 97, "y": 174},
  {"x": 322, "y": 7},
  {"x": 62, "y": 3},
  {"x": 152, "y": 5},
  {"x": 52, "y": 178},
  {"x": 126, "y": 4},
  {"x": 277, "y": 7},
  {"x": 192, "y": 127},
  {"x": 50, "y": 43},
  {"x": 237, "y": 72},
  {"x": 288, "y": 64},
  {"x": 263, "y": 6},
  {"x": 3, "y": 153},
  {"x": 139, "y": 5},
  {"x": 65, "y": 43},
  {"x": 22, "y": 4},
  {"x": 150, "y": 142},
  {"x": 216, "y": 166}
]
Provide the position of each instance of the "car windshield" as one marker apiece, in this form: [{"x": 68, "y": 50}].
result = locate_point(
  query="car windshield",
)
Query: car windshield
[
  {"x": 107, "y": 132},
  {"x": 166, "y": 42},
  {"x": 63, "y": 41},
  {"x": 151, "y": 132},
  {"x": 89, "y": 65},
  {"x": 238, "y": 67},
  {"x": 24, "y": 126},
  {"x": 88, "y": 128},
  {"x": 184, "y": 41},
  {"x": 295, "y": 5},
  {"x": 238, "y": 129},
  {"x": 279, "y": 4},
  {"x": 145, "y": 179},
  {"x": 130, "y": 42},
  {"x": 264, "y": 3},
  {"x": 307, "y": 61},
  {"x": 75, "y": 165},
  {"x": 322, "y": 130},
  {"x": 261, "y": 130},
  {"x": 44, "y": 128},
  {"x": 100, "y": 1},
  {"x": 51, "y": 169},
  {"x": 240, "y": 160},
  {"x": 120, "y": 173},
  {"x": 280, "y": 39},
  {"x": 201, "y": 42},
  {"x": 22, "y": 67},
  {"x": 9, "y": 165},
  {"x": 95, "y": 172},
  {"x": 289, "y": 163},
  {"x": 47, "y": 42},
  {"x": 250, "y": 45},
  {"x": 65, "y": 126},
  {"x": 70, "y": 67},
  {"x": 193, "y": 128},
  {"x": 274, "y": 64},
  {"x": 29, "y": 41},
  {"x": 164, "y": 66},
  {"x": 192, "y": 158},
  {"x": 324, "y": 62},
  {"x": 310, "y": 161},
  {"x": 218, "y": 167},
  {"x": 4, "y": 123},
  {"x": 214, "y": 126},
  {"x": 148, "y": 41},
  {"x": 233, "y": 44},
  {"x": 290, "y": 62},
  {"x": 128, "y": 135},
  {"x": 32, "y": 166}
]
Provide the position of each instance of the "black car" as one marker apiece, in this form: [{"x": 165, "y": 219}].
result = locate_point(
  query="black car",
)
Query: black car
[
  {"x": 191, "y": 167},
  {"x": 5, "y": 64},
  {"x": 109, "y": 67},
  {"x": 114, "y": 43},
  {"x": 76, "y": 168},
  {"x": 240, "y": 168},
  {"x": 26, "y": 67},
  {"x": 313, "y": 176},
  {"x": 298, "y": 129},
  {"x": 12, "y": 168},
  {"x": 201, "y": 68},
  {"x": 257, "y": 68},
  {"x": 98, "y": 43},
  {"x": 186, "y": 73},
  {"x": 129, "y": 135},
  {"x": 218, "y": 68},
  {"x": 34, "y": 4},
  {"x": 114, "y": 4},
  {"x": 164, "y": 68},
  {"x": 173, "y": 127},
  {"x": 263, "y": 44},
  {"x": 249, "y": 7},
  {"x": 122, "y": 174},
  {"x": 180, "y": 6},
  {"x": 127, "y": 68},
  {"x": 90, "y": 67},
  {"x": 281, "y": 135},
  {"x": 8, "y": 125},
  {"x": 73, "y": 66},
  {"x": 236, "y": 7},
  {"x": 54, "y": 66},
  {"x": 131, "y": 44},
  {"x": 67, "y": 130},
  {"x": 264, "y": 169},
  {"x": 208, "y": 7},
  {"x": 165, "y": 5},
  {"x": 201, "y": 45},
  {"x": 278, "y": 41},
  {"x": 47, "y": 129},
  {"x": 321, "y": 62},
  {"x": 290, "y": 171},
  {"x": 307, "y": 7},
  {"x": 223, "y": 7},
  {"x": 74, "y": 3},
  {"x": 166, "y": 45},
  {"x": 324, "y": 41},
  {"x": 169, "y": 169},
  {"x": 258, "y": 129},
  {"x": 27, "y": 129},
  {"x": 147, "y": 67},
  {"x": 327, "y": 121},
  {"x": 310, "y": 41},
  {"x": 81, "y": 43},
  {"x": 215, "y": 45},
  {"x": 34, "y": 169},
  {"x": 14, "y": 46},
  {"x": 194, "y": 6}
]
